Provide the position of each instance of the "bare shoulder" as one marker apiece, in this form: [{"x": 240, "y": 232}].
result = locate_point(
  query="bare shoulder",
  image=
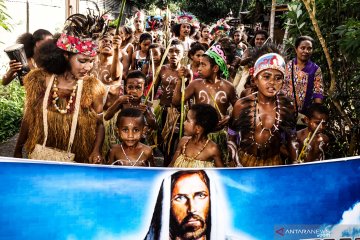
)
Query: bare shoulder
[
  {"x": 213, "y": 148},
  {"x": 146, "y": 149}
]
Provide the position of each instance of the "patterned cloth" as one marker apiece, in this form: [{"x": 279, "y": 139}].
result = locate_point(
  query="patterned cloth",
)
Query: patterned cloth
[{"x": 308, "y": 83}]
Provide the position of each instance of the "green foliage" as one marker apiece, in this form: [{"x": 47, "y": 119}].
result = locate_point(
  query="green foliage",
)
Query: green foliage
[
  {"x": 4, "y": 17},
  {"x": 339, "y": 23},
  {"x": 210, "y": 11},
  {"x": 11, "y": 109}
]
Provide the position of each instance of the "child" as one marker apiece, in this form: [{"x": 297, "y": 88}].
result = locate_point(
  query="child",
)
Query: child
[
  {"x": 127, "y": 48},
  {"x": 168, "y": 78},
  {"x": 197, "y": 50},
  {"x": 134, "y": 88},
  {"x": 317, "y": 114},
  {"x": 139, "y": 58},
  {"x": 131, "y": 152},
  {"x": 265, "y": 119},
  {"x": 196, "y": 150},
  {"x": 157, "y": 52},
  {"x": 211, "y": 88}
]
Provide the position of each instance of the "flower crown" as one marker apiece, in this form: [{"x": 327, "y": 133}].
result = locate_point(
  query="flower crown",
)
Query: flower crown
[
  {"x": 220, "y": 25},
  {"x": 269, "y": 61},
  {"x": 187, "y": 18},
  {"x": 139, "y": 15},
  {"x": 216, "y": 53},
  {"x": 81, "y": 33}
]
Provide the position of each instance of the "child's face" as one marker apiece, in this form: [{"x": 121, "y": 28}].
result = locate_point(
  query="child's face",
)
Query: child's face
[
  {"x": 135, "y": 87},
  {"x": 314, "y": 121},
  {"x": 175, "y": 54},
  {"x": 185, "y": 30},
  {"x": 205, "y": 70},
  {"x": 269, "y": 82},
  {"x": 123, "y": 34},
  {"x": 205, "y": 33},
  {"x": 144, "y": 45},
  {"x": 106, "y": 45},
  {"x": 156, "y": 55},
  {"x": 130, "y": 130},
  {"x": 198, "y": 54},
  {"x": 189, "y": 123}
]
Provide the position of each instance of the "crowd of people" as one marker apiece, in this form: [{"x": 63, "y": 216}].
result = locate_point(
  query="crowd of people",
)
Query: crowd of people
[{"x": 211, "y": 96}]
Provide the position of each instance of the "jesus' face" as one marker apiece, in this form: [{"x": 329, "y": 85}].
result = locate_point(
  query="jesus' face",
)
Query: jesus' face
[{"x": 190, "y": 204}]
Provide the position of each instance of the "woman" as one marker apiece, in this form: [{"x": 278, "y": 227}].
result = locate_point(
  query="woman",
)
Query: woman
[
  {"x": 184, "y": 28},
  {"x": 303, "y": 75},
  {"x": 31, "y": 43},
  {"x": 64, "y": 66}
]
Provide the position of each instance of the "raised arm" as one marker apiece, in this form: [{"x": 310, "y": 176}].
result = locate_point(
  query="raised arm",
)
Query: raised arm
[{"x": 116, "y": 69}]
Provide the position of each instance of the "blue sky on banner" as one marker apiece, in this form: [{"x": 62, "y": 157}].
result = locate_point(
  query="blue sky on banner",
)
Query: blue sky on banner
[{"x": 60, "y": 201}]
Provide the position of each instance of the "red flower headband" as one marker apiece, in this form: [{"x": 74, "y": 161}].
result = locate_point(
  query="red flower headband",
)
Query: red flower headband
[{"x": 74, "y": 44}]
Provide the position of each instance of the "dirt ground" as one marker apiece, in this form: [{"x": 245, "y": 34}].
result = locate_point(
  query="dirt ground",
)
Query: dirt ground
[{"x": 7, "y": 148}]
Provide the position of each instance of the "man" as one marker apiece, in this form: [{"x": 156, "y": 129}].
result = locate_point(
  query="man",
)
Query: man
[
  {"x": 139, "y": 24},
  {"x": 191, "y": 198}
]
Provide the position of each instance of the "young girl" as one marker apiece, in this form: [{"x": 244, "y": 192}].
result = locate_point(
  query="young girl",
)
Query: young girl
[
  {"x": 139, "y": 58},
  {"x": 195, "y": 53},
  {"x": 157, "y": 52},
  {"x": 127, "y": 48},
  {"x": 196, "y": 149},
  {"x": 131, "y": 152}
]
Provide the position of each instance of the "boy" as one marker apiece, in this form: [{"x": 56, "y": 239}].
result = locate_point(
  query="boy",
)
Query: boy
[
  {"x": 263, "y": 122},
  {"x": 211, "y": 88},
  {"x": 108, "y": 68},
  {"x": 134, "y": 88},
  {"x": 131, "y": 152},
  {"x": 169, "y": 76},
  {"x": 316, "y": 118}
]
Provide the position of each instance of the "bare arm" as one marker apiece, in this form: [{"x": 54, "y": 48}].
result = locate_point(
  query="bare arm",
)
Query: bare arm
[
  {"x": 151, "y": 158},
  {"x": 23, "y": 136},
  {"x": 217, "y": 157},
  {"x": 111, "y": 111},
  {"x": 133, "y": 61},
  {"x": 11, "y": 73},
  {"x": 95, "y": 156},
  {"x": 178, "y": 150},
  {"x": 116, "y": 69},
  {"x": 189, "y": 92},
  {"x": 246, "y": 58}
]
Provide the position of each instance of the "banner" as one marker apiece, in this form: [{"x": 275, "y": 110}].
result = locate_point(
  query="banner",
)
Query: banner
[{"x": 50, "y": 200}]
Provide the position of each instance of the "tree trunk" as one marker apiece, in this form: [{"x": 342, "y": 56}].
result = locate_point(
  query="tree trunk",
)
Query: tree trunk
[
  {"x": 272, "y": 19},
  {"x": 27, "y": 16},
  {"x": 329, "y": 61}
]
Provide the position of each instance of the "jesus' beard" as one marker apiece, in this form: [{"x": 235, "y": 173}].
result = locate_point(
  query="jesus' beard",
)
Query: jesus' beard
[{"x": 183, "y": 231}]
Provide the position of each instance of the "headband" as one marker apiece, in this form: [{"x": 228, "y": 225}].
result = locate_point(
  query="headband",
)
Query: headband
[
  {"x": 216, "y": 53},
  {"x": 187, "y": 18},
  {"x": 74, "y": 44},
  {"x": 269, "y": 61}
]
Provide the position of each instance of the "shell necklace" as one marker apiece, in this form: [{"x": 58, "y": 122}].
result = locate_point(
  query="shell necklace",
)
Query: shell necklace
[{"x": 55, "y": 97}]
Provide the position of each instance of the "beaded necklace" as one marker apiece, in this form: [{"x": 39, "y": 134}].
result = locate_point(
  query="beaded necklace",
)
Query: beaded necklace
[
  {"x": 55, "y": 97},
  {"x": 272, "y": 130}
]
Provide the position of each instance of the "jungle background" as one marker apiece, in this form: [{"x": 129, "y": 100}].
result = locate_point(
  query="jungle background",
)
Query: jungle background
[{"x": 335, "y": 26}]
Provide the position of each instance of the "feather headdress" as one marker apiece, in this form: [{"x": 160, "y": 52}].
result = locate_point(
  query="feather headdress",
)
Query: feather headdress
[{"x": 81, "y": 33}]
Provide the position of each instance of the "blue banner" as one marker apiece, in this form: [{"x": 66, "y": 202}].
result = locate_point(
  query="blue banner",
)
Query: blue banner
[{"x": 48, "y": 200}]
